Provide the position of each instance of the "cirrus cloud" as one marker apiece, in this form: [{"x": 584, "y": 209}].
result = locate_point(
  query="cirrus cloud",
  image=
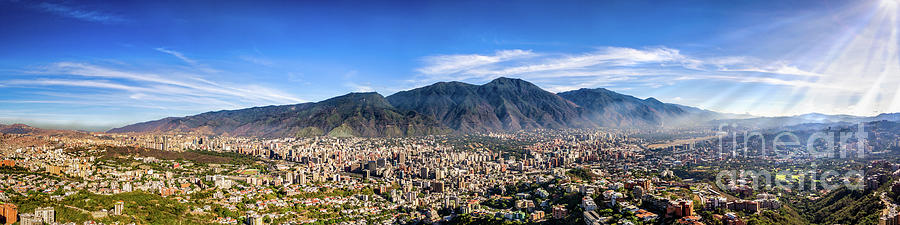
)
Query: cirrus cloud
[
  {"x": 655, "y": 66},
  {"x": 80, "y": 13}
]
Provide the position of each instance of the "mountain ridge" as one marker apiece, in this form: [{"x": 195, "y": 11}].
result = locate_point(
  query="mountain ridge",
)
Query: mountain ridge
[{"x": 503, "y": 104}]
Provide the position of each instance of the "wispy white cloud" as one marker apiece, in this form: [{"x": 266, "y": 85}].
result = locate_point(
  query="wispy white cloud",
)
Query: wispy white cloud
[
  {"x": 444, "y": 64},
  {"x": 360, "y": 87},
  {"x": 193, "y": 63},
  {"x": 257, "y": 60},
  {"x": 178, "y": 55},
  {"x": 169, "y": 90},
  {"x": 74, "y": 83},
  {"x": 781, "y": 69},
  {"x": 608, "y": 58},
  {"x": 769, "y": 80},
  {"x": 81, "y": 14},
  {"x": 605, "y": 65}
]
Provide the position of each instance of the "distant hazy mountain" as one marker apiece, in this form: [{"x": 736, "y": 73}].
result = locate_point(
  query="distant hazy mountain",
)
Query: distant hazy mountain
[
  {"x": 502, "y": 104},
  {"x": 444, "y": 107},
  {"x": 888, "y": 116},
  {"x": 354, "y": 114},
  {"x": 17, "y": 136},
  {"x": 18, "y": 129},
  {"x": 811, "y": 118},
  {"x": 22, "y": 129}
]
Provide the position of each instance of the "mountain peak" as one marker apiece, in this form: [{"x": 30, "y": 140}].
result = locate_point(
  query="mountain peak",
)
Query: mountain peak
[
  {"x": 451, "y": 83},
  {"x": 507, "y": 80},
  {"x": 501, "y": 104},
  {"x": 511, "y": 83},
  {"x": 360, "y": 94},
  {"x": 596, "y": 90},
  {"x": 364, "y": 98}
]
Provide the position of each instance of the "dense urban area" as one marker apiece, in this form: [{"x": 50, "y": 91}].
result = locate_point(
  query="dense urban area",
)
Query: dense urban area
[{"x": 567, "y": 176}]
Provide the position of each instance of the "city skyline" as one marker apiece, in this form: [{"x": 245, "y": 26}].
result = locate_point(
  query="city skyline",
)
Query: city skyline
[{"x": 94, "y": 66}]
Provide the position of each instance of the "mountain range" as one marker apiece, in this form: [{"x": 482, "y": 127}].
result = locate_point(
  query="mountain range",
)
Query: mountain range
[
  {"x": 803, "y": 119},
  {"x": 503, "y": 104},
  {"x": 22, "y": 129}
]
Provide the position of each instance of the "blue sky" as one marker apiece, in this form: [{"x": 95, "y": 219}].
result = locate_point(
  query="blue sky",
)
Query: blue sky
[{"x": 95, "y": 65}]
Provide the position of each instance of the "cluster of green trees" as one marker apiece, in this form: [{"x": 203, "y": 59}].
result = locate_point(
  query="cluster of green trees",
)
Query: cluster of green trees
[
  {"x": 843, "y": 206},
  {"x": 581, "y": 173},
  {"x": 471, "y": 220},
  {"x": 140, "y": 208}
]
